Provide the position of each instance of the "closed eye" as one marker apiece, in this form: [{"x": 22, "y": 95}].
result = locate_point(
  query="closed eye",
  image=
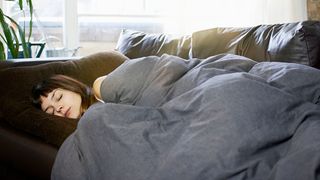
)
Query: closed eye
[
  {"x": 60, "y": 97},
  {"x": 57, "y": 95},
  {"x": 49, "y": 110}
]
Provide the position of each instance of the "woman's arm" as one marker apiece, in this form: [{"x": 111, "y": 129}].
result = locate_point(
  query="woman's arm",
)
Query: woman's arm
[{"x": 96, "y": 87}]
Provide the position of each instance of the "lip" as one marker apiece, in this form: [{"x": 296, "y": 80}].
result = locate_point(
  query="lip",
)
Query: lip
[{"x": 67, "y": 113}]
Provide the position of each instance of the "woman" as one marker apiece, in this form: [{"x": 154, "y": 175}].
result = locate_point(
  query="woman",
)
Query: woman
[{"x": 64, "y": 96}]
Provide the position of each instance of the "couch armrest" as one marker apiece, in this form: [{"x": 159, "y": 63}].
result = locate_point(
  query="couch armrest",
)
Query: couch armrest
[
  {"x": 25, "y": 153},
  {"x": 32, "y": 61}
]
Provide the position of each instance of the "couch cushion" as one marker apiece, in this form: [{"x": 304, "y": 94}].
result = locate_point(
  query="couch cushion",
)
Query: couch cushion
[
  {"x": 17, "y": 82},
  {"x": 291, "y": 42},
  {"x": 215, "y": 41},
  {"x": 136, "y": 44},
  {"x": 5, "y": 64}
]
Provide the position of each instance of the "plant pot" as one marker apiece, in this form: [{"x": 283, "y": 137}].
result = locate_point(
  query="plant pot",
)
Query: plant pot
[{"x": 29, "y": 45}]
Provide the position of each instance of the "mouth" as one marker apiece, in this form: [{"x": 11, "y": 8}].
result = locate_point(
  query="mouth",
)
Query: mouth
[{"x": 67, "y": 113}]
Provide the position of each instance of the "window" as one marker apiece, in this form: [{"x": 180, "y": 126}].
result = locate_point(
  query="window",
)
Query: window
[
  {"x": 98, "y": 22},
  {"x": 89, "y": 26},
  {"x": 47, "y": 25},
  {"x": 101, "y": 21}
]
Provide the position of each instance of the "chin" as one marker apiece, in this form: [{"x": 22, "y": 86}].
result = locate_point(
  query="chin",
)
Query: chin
[{"x": 74, "y": 115}]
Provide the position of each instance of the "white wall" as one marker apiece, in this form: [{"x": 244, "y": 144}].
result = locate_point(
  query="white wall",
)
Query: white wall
[
  {"x": 202, "y": 14},
  {"x": 286, "y": 11}
]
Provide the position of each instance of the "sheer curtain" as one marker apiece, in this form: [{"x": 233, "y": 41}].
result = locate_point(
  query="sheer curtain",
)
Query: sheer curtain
[{"x": 186, "y": 16}]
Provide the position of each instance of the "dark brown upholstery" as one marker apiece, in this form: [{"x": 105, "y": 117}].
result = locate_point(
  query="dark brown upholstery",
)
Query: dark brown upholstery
[{"x": 24, "y": 156}]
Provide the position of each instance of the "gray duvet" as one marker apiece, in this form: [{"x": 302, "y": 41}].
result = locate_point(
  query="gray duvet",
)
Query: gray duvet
[{"x": 225, "y": 117}]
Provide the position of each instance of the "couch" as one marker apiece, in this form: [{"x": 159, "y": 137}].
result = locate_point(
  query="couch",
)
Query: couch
[{"x": 30, "y": 138}]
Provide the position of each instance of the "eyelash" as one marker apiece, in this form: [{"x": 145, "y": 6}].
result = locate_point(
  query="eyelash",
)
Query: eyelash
[
  {"x": 57, "y": 100},
  {"x": 60, "y": 97}
]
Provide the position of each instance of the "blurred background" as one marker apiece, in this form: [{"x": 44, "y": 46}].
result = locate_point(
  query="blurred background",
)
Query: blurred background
[{"x": 83, "y": 27}]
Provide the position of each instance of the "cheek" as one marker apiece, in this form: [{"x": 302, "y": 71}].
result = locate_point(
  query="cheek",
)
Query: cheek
[
  {"x": 76, "y": 102},
  {"x": 77, "y": 107},
  {"x": 44, "y": 103},
  {"x": 79, "y": 100},
  {"x": 72, "y": 99}
]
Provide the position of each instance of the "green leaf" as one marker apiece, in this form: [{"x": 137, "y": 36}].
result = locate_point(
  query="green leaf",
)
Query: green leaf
[
  {"x": 31, "y": 18},
  {"x": 2, "y": 37},
  {"x": 26, "y": 53},
  {"x": 11, "y": 35},
  {"x": 2, "y": 52},
  {"x": 7, "y": 34},
  {"x": 21, "y": 4},
  {"x": 16, "y": 40}
]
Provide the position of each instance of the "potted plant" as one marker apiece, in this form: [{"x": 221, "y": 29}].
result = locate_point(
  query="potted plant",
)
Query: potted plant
[{"x": 14, "y": 35}]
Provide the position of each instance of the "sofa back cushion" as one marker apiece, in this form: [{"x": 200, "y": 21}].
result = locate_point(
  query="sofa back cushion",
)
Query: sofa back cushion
[
  {"x": 134, "y": 44},
  {"x": 291, "y": 42},
  {"x": 215, "y": 41},
  {"x": 16, "y": 84}
]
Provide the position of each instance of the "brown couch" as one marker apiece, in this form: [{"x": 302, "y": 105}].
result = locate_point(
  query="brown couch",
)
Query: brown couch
[{"x": 30, "y": 139}]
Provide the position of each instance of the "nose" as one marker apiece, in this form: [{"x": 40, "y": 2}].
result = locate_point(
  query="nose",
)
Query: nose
[{"x": 58, "y": 109}]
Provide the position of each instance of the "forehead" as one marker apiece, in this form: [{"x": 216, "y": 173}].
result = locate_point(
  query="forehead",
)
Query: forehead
[{"x": 47, "y": 100}]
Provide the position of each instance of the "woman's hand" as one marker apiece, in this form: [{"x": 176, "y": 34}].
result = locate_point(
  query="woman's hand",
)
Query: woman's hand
[{"x": 96, "y": 87}]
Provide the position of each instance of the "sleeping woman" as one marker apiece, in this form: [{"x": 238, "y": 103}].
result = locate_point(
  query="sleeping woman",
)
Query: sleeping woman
[
  {"x": 64, "y": 96},
  {"x": 154, "y": 81},
  {"x": 67, "y": 97}
]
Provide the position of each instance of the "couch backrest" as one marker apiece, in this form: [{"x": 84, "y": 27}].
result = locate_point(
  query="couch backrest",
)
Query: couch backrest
[
  {"x": 289, "y": 42},
  {"x": 136, "y": 44},
  {"x": 292, "y": 42},
  {"x": 32, "y": 61}
]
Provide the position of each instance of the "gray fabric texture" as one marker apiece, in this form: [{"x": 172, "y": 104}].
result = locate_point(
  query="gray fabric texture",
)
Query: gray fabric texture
[{"x": 224, "y": 117}]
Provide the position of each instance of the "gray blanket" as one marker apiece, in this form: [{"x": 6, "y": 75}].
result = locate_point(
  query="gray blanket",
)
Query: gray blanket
[{"x": 225, "y": 117}]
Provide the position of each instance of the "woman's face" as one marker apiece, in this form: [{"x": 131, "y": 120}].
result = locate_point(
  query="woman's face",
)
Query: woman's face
[{"x": 61, "y": 102}]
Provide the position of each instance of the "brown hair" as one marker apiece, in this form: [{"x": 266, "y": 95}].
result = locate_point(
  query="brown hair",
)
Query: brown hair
[{"x": 64, "y": 82}]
